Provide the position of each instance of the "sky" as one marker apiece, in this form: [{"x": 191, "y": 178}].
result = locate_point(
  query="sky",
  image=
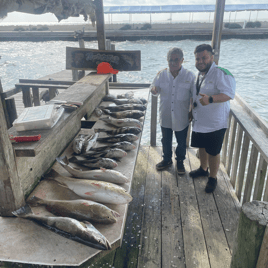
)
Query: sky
[{"x": 21, "y": 18}]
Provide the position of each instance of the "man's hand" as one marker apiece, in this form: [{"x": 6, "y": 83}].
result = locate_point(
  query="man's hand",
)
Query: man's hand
[
  {"x": 204, "y": 100},
  {"x": 155, "y": 90}
]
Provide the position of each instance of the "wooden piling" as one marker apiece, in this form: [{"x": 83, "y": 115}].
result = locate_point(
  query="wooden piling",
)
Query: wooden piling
[
  {"x": 100, "y": 25},
  {"x": 11, "y": 109},
  {"x": 11, "y": 194},
  {"x": 217, "y": 29},
  {"x": 250, "y": 234}
]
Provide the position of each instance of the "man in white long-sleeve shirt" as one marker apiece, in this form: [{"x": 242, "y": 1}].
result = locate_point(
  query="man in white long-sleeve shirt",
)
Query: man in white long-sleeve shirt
[
  {"x": 175, "y": 86},
  {"x": 215, "y": 86}
]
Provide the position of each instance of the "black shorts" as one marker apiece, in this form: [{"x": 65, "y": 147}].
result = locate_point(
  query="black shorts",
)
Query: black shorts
[{"x": 212, "y": 141}]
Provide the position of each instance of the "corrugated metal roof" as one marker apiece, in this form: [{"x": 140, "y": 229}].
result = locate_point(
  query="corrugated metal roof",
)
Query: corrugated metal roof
[{"x": 180, "y": 8}]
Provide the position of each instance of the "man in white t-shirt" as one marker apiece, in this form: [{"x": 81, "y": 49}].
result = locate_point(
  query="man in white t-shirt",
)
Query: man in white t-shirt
[
  {"x": 174, "y": 86},
  {"x": 215, "y": 86}
]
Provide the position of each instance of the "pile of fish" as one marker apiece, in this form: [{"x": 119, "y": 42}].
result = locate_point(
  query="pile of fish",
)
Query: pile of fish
[{"x": 97, "y": 185}]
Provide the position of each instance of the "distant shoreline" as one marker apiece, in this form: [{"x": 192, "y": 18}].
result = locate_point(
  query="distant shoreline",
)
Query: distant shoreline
[{"x": 134, "y": 26}]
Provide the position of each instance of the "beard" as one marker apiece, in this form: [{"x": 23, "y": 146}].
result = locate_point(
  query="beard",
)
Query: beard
[{"x": 204, "y": 70}]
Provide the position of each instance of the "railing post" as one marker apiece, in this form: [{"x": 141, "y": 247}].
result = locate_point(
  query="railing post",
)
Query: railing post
[
  {"x": 114, "y": 75},
  {"x": 11, "y": 194},
  {"x": 2, "y": 99},
  {"x": 153, "y": 120}
]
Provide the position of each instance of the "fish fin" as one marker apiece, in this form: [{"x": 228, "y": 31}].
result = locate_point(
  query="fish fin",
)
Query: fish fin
[
  {"x": 52, "y": 173},
  {"x": 35, "y": 201},
  {"x": 73, "y": 159},
  {"x": 103, "y": 169},
  {"x": 106, "y": 111},
  {"x": 23, "y": 211},
  {"x": 115, "y": 214},
  {"x": 63, "y": 160}
]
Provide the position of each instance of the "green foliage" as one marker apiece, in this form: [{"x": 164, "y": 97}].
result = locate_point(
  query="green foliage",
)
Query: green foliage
[
  {"x": 146, "y": 26},
  {"x": 250, "y": 24},
  {"x": 43, "y": 28},
  {"x": 232, "y": 25},
  {"x": 19, "y": 28},
  {"x": 126, "y": 27},
  {"x": 257, "y": 24}
]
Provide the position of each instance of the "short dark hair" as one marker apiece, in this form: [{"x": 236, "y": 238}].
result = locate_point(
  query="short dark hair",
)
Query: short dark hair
[{"x": 204, "y": 47}]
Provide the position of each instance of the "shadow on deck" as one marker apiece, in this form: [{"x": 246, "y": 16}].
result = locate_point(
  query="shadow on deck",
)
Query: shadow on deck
[{"x": 172, "y": 222}]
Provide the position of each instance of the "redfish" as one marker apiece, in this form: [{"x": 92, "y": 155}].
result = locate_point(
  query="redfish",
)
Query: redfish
[{"x": 80, "y": 209}]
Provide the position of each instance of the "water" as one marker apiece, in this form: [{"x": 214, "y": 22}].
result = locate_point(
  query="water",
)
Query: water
[{"x": 246, "y": 59}]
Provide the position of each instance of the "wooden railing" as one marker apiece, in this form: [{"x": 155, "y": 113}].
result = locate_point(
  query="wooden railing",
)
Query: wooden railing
[{"x": 244, "y": 152}]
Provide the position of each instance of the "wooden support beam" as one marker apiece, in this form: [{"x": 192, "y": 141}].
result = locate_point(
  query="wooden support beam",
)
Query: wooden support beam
[
  {"x": 100, "y": 24},
  {"x": 11, "y": 194},
  {"x": 2, "y": 99},
  {"x": 263, "y": 256},
  {"x": 52, "y": 93},
  {"x": 50, "y": 82},
  {"x": 217, "y": 29},
  {"x": 26, "y": 96},
  {"x": 11, "y": 109},
  {"x": 36, "y": 99}
]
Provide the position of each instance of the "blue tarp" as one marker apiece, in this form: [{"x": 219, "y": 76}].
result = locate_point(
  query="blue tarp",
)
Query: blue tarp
[{"x": 180, "y": 8}]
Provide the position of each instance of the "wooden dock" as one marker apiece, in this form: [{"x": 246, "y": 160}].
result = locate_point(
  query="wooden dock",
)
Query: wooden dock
[
  {"x": 180, "y": 33},
  {"x": 172, "y": 222}
]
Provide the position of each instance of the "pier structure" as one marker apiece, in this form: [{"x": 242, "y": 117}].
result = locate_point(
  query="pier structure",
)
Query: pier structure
[{"x": 171, "y": 221}]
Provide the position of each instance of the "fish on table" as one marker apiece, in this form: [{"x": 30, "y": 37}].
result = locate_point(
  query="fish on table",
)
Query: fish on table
[
  {"x": 83, "y": 232},
  {"x": 119, "y": 137},
  {"x": 124, "y": 145},
  {"x": 121, "y": 130},
  {"x": 127, "y": 101},
  {"x": 136, "y": 114},
  {"x": 95, "y": 163},
  {"x": 102, "y": 174},
  {"x": 80, "y": 209},
  {"x": 82, "y": 143},
  {"x": 98, "y": 191},
  {"x": 124, "y": 107},
  {"x": 124, "y": 122},
  {"x": 113, "y": 153}
]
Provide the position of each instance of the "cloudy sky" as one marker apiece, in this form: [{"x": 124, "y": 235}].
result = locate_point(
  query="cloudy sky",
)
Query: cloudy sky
[{"x": 16, "y": 17}]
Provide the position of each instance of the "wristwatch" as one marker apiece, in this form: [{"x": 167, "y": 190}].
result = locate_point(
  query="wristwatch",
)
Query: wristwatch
[{"x": 210, "y": 99}]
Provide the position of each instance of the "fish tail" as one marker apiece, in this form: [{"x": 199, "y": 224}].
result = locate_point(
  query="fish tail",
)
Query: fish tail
[
  {"x": 106, "y": 111},
  {"x": 35, "y": 201},
  {"x": 23, "y": 211}
]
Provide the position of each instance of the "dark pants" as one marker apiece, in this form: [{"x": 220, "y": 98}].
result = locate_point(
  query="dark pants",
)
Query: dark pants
[{"x": 167, "y": 143}]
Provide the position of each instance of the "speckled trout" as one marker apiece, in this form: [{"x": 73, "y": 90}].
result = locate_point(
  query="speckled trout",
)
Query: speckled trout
[
  {"x": 82, "y": 210},
  {"x": 84, "y": 231},
  {"x": 99, "y": 191},
  {"x": 102, "y": 174}
]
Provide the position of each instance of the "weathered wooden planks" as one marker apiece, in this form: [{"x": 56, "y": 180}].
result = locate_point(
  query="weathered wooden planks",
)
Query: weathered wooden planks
[
  {"x": 34, "y": 158},
  {"x": 150, "y": 254},
  {"x": 193, "y": 237},
  {"x": 11, "y": 194},
  {"x": 172, "y": 236}
]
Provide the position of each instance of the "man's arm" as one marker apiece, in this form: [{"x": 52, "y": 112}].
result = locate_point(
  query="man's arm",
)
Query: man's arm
[{"x": 216, "y": 98}]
